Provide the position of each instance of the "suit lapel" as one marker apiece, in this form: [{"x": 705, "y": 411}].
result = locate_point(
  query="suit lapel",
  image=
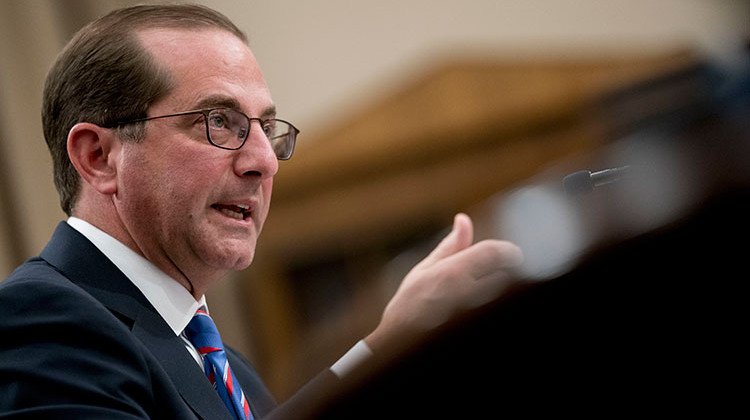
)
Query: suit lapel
[{"x": 83, "y": 264}]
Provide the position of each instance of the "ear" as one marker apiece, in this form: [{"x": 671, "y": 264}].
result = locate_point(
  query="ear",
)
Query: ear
[{"x": 94, "y": 151}]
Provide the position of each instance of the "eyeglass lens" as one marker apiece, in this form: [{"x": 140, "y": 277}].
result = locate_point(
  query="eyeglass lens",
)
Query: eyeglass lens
[{"x": 229, "y": 129}]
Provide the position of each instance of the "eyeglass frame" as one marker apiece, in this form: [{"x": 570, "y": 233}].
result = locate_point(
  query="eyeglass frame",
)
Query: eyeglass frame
[{"x": 206, "y": 112}]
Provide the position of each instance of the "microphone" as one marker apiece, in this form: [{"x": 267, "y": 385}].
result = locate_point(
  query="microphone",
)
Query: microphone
[{"x": 585, "y": 181}]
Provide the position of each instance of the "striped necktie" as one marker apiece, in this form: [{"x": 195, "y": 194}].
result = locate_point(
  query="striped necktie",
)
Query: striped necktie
[{"x": 202, "y": 332}]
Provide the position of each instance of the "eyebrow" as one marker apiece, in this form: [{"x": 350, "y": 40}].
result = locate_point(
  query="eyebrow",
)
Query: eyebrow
[{"x": 222, "y": 101}]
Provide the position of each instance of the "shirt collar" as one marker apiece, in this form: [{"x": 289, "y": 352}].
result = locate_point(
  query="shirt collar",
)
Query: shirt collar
[{"x": 170, "y": 299}]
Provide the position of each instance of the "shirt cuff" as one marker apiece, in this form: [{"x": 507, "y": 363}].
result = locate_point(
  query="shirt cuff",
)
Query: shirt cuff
[{"x": 353, "y": 358}]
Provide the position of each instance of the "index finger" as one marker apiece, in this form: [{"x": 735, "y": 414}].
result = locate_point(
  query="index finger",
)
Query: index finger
[{"x": 488, "y": 257}]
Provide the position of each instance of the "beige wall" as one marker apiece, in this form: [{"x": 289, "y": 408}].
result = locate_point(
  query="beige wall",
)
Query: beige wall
[
  {"x": 31, "y": 34},
  {"x": 323, "y": 57}
]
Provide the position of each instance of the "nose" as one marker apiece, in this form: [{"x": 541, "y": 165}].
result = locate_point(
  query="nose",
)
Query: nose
[{"x": 256, "y": 156}]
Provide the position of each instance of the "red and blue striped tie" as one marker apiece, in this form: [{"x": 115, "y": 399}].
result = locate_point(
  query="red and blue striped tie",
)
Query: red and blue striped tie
[{"x": 202, "y": 332}]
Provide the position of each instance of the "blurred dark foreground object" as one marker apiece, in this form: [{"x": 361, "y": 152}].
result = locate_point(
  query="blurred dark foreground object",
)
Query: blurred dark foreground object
[{"x": 649, "y": 322}]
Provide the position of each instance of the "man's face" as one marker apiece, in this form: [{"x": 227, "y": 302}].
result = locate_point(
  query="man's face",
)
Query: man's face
[{"x": 193, "y": 209}]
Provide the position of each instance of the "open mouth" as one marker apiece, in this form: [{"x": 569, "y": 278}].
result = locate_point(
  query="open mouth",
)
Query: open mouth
[{"x": 235, "y": 211}]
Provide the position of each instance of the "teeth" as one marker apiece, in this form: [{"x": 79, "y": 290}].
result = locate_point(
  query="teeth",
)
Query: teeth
[
  {"x": 235, "y": 211},
  {"x": 233, "y": 214}
]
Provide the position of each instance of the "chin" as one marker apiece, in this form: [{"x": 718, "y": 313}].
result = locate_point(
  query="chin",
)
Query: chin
[
  {"x": 242, "y": 264},
  {"x": 234, "y": 261},
  {"x": 227, "y": 253}
]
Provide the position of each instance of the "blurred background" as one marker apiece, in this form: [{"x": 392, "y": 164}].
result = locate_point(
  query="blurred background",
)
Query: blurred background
[{"x": 410, "y": 111}]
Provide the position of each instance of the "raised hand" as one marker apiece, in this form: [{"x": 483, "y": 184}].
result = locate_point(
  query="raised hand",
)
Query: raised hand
[{"x": 456, "y": 277}]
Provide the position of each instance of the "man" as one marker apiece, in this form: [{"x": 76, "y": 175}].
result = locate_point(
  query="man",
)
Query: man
[{"x": 165, "y": 142}]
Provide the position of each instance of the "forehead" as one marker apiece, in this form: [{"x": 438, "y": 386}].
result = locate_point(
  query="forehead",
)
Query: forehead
[{"x": 206, "y": 63}]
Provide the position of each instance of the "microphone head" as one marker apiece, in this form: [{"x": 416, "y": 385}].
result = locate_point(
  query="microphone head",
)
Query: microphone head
[{"x": 578, "y": 183}]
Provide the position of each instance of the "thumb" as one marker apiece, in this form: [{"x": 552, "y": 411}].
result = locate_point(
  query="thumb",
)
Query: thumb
[{"x": 460, "y": 238}]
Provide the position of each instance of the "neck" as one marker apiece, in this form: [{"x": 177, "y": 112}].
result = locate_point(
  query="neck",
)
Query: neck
[{"x": 112, "y": 225}]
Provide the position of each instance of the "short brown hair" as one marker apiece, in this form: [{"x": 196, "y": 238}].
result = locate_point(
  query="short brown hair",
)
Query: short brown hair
[{"x": 104, "y": 75}]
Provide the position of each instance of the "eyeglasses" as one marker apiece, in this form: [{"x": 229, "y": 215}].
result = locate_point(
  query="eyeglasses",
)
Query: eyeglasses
[{"x": 228, "y": 129}]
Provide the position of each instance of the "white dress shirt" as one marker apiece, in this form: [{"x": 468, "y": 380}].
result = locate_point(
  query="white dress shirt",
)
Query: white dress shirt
[{"x": 170, "y": 299}]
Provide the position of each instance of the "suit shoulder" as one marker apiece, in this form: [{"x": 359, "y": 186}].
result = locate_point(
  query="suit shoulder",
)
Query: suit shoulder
[
  {"x": 66, "y": 346},
  {"x": 36, "y": 287},
  {"x": 34, "y": 272},
  {"x": 39, "y": 302}
]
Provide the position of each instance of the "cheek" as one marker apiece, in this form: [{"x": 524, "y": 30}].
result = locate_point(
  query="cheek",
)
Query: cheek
[
  {"x": 143, "y": 198},
  {"x": 154, "y": 184},
  {"x": 181, "y": 174}
]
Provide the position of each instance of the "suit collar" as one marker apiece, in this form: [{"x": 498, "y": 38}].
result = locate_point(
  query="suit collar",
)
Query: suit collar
[
  {"x": 173, "y": 302},
  {"x": 84, "y": 265}
]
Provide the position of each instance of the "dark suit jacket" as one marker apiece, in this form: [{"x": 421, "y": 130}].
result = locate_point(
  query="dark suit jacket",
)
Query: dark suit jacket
[{"x": 79, "y": 340}]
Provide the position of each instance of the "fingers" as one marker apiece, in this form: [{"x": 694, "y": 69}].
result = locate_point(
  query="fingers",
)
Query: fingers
[
  {"x": 478, "y": 274},
  {"x": 488, "y": 257},
  {"x": 460, "y": 238},
  {"x": 483, "y": 290},
  {"x": 457, "y": 276}
]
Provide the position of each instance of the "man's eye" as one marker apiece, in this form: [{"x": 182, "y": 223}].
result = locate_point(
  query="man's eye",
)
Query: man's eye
[
  {"x": 242, "y": 133},
  {"x": 217, "y": 121},
  {"x": 269, "y": 127}
]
